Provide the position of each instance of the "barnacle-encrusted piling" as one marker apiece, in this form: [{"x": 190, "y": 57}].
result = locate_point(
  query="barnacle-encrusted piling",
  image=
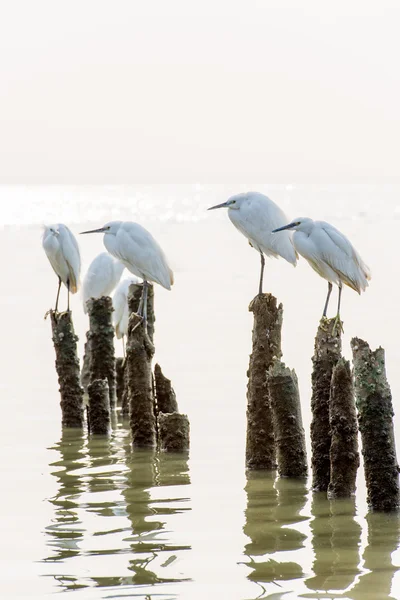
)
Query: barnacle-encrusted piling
[
  {"x": 288, "y": 426},
  {"x": 101, "y": 343},
  {"x": 165, "y": 394},
  {"x": 139, "y": 354},
  {"x": 173, "y": 431},
  {"x": 99, "y": 421},
  {"x": 327, "y": 351},
  {"x": 85, "y": 371},
  {"x": 375, "y": 419},
  {"x": 67, "y": 366},
  {"x": 135, "y": 292},
  {"x": 260, "y": 443},
  {"x": 344, "y": 455},
  {"x": 119, "y": 376}
]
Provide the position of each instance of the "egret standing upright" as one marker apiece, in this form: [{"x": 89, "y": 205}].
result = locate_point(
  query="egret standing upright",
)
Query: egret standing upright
[
  {"x": 331, "y": 255},
  {"x": 136, "y": 248},
  {"x": 255, "y": 215},
  {"x": 62, "y": 250},
  {"x": 102, "y": 276}
]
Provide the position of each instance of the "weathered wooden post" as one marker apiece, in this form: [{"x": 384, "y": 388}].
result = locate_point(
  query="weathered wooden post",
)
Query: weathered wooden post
[
  {"x": 375, "y": 418},
  {"x": 344, "y": 455},
  {"x": 173, "y": 431},
  {"x": 260, "y": 443},
  {"x": 67, "y": 366},
  {"x": 119, "y": 376},
  {"x": 327, "y": 351},
  {"x": 99, "y": 413},
  {"x": 139, "y": 355},
  {"x": 288, "y": 425},
  {"x": 165, "y": 394},
  {"x": 101, "y": 343}
]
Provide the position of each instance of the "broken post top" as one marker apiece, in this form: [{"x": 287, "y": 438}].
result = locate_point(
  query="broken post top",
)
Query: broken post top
[
  {"x": 327, "y": 341},
  {"x": 134, "y": 296},
  {"x": 361, "y": 350},
  {"x": 267, "y": 329},
  {"x": 99, "y": 311},
  {"x": 370, "y": 371}
]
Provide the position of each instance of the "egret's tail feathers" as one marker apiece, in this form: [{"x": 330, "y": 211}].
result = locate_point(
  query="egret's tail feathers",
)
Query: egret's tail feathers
[{"x": 73, "y": 282}]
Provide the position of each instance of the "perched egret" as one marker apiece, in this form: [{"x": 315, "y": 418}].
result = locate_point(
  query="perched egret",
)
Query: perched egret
[
  {"x": 102, "y": 276},
  {"x": 136, "y": 248},
  {"x": 62, "y": 250},
  {"x": 255, "y": 215},
  {"x": 330, "y": 254},
  {"x": 120, "y": 305}
]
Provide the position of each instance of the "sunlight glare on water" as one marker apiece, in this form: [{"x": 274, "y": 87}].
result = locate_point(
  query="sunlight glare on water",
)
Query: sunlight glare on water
[{"x": 92, "y": 517}]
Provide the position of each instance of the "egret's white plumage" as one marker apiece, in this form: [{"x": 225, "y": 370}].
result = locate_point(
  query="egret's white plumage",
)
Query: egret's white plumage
[
  {"x": 256, "y": 216},
  {"x": 330, "y": 254},
  {"x": 102, "y": 276},
  {"x": 62, "y": 250},
  {"x": 136, "y": 248},
  {"x": 120, "y": 305}
]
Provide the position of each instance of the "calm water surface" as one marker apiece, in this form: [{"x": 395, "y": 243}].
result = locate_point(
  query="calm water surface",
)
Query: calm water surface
[{"x": 93, "y": 518}]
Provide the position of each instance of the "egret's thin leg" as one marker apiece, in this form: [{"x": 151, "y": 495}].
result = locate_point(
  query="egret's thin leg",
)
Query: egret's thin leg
[
  {"x": 58, "y": 293},
  {"x": 327, "y": 299},
  {"x": 338, "y": 323},
  {"x": 339, "y": 299},
  {"x": 68, "y": 296},
  {"x": 262, "y": 272},
  {"x": 141, "y": 302},
  {"x": 123, "y": 345}
]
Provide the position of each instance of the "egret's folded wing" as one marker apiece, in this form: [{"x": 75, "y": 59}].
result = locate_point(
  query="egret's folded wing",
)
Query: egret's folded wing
[
  {"x": 138, "y": 247},
  {"x": 342, "y": 257}
]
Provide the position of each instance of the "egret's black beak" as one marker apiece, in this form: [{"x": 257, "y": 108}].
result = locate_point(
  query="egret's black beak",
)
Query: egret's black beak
[
  {"x": 223, "y": 205},
  {"x": 284, "y": 227},
  {"x": 101, "y": 230}
]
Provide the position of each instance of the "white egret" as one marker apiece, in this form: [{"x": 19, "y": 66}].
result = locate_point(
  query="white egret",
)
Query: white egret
[
  {"x": 255, "y": 215},
  {"x": 102, "y": 276},
  {"x": 120, "y": 305},
  {"x": 330, "y": 254},
  {"x": 62, "y": 250},
  {"x": 136, "y": 248}
]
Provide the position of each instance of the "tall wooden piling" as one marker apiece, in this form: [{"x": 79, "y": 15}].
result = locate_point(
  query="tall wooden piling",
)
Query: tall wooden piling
[
  {"x": 288, "y": 426},
  {"x": 139, "y": 354},
  {"x": 327, "y": 351},
  {"x": 165, "y": 394},
  {"x": 260, "y": 443},
  {"x": 67, "y": 366},
  {"x": 119, "y": 377},
  {"x": 99, "y": 419},
  {"x": 134, "y": 295},
  {"x": 85, "y": 371},
  {"x": 173, "y": 430},
  {"x": 101, "y": 338},
  {"x": 344, "y": 455},
  {"x": 375, "y": 418}
]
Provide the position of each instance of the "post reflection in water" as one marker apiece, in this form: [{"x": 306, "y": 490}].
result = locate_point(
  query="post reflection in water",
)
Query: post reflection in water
[
  {"x": 146, "y": 471},
  {"x": 103, "y": 477},
  {"x": 273, "y": 510},
  {"x": 383, "y": 540},
  {"x": 336, "y": 539}
]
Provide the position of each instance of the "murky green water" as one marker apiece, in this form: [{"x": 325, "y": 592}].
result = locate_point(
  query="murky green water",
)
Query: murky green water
[{"x": 122, "y": 521}]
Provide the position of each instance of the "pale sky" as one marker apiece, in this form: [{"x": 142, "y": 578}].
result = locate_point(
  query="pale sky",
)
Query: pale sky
[{"x": 160, "y": 91}]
